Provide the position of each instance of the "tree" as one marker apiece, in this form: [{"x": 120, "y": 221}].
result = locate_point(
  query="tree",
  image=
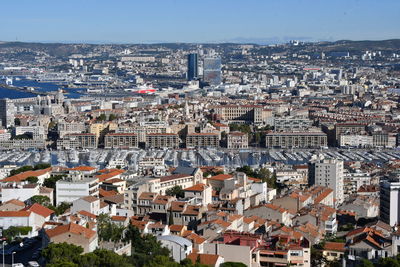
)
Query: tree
[
  {"x": 102, "y": 117},
  {"x": 264, "y": 174},
  {"x": 365, "y": 263},
  {"x": 388, "y": 262},
  {"x": 161, "y": 261},
  {"x": 51, "y": 182},
  {"x": 57, "y": 253},
  {"x": 112, "y": 117},
  {"x": 41, "y": 166},
  {"x": 175, "y": 191},
  {"x": 32, "y": 179},
  {"x": 42, "y": 200},
  {"x": 20, "y": 170},
  {"x": 107, "y": 230},
  {"x": 60, "y": 209}
]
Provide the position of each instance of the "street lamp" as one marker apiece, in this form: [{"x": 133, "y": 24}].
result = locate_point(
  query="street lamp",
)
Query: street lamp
[
  {"x": 12, "y": 258},
  {"x": 3, "y": 251}
]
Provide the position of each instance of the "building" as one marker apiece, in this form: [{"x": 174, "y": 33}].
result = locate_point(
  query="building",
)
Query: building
[
  {"x": 121, "y": 140},
  {"x": 162, "y": 140},
  {"x": 291, "y": 124},
  {"x": 78, "y": 140},
  {"x": 212, "y": 70},
  {"x": 256, "y": 114},
  {"x": 202, "y": 140},
  {"x": 193, "y": 65},
  {"x": 329, "y": 173},
  {"x": 23, "y": 144},
  {"x": 237, "y": 140},
  {"x": 7, "y": 111},
  {"x": 180, "y": 247},
  {"x": 389, "y": 202},
  {"x": 296, "y": 140},
  {"x": 75, "y": 234},
  {"x": 72, "y": 189}
]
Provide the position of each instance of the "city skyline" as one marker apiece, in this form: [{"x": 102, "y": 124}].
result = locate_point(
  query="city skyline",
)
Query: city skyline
[{"x": 262, "y": 22}]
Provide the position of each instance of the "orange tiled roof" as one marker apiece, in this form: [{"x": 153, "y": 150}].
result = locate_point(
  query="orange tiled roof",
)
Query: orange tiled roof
[
  {"x": 20, "y": 213},
  {"x": 196, "y": 188},
  {"x": 24, "y": 175},
  {"x": 41, "y": 210},
  {"x": 220, "y": 177},
  {"x": 206, "y": 259},
  {"x": 71, "y": 228},
  {"x": 335, "y": 246},
  {"x": 15, "y": 202},
  {"x": 83, "y": 168}
]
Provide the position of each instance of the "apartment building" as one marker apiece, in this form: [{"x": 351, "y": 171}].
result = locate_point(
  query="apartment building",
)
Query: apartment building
[
  {"x": 162, "y": 140},
  {"x": 78, "y": 140},
  {"x": 237, "y": 140},
  {"x": 202, "y": 140},
  {"x": 71, "y": 189},
  {"x": 121, "y": 140},
  {"x": 291, "y": 124},
  {"x": 296, "y": 140},
  {"x": 70, "y": 127},
  {"x": 243, "y": 113}
]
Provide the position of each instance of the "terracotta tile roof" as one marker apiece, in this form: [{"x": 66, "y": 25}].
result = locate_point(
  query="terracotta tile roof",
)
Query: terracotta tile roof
[
  {"x": 176, "y": 227},
  {"x": 256, "y": 180},
  {"x": 335, "y": 246},
  {"x": 323, "y": 195},
  {"x": 118, "y": 218},
  {"x": 108, "y": 175},
  {"x": 21, "y": 213},
  {"x": 220, "y": 177},
  {"x": 41, "y": 210},
  {"x": 104, "y": 193},
  {"x": 87, "y": 214},
  {"x": 90, "y": 199},
  {"x": 45, "y": 190},
  {"x": 72, "y": 228},
  {"x": 196, "y": 188},
  {"x": 83, "y": 168},
  {"x": 23, "y": 175},
  {"x": 15, "y": 202},
  {"x": 162, "y": 200},
  {"x": 206, "y": 259},
  {"x": 191, "y": 210},
  {"x": 178, "y": 205},
  {"x": 147, "y": 195}
]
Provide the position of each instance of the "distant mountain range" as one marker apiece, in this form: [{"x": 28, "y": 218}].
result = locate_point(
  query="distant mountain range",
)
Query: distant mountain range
[{"x": 65, "y": 49}]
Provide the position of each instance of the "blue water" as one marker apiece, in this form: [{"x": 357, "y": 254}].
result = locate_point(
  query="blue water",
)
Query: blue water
[
  {"x": 12, "y": 94},
  {"x": 39, "y": 86}
]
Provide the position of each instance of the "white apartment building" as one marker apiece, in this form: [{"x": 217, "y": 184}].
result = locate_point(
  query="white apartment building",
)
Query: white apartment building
[
  {"x": 389, "y": 202},
  {"x": 70, "y": 190},
  {"x": 329, "y": 173}
]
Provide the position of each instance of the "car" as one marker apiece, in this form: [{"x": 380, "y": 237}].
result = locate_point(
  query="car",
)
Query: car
[
  {"x": 17, "y": 265},
  {"x": 33, "y": 264}
]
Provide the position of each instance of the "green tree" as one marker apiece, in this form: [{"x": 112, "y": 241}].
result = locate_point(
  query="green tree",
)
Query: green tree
[
  {"x": 388, "y": 262},
  {"x": 161, "y": 261},
  {"x": 61, "y": 252},
  {"x": 60, "y": 209},
  {"x": 32, "y": 179},
  {"x": 112, "y": 117},
  {"x": 107, "y": 230},
  {"x": 264, "y": 174},
  {"x": 175, "y": 191},
  {"x": 20, "y": 170},
  {"x": 365, "y": 263},
  {"x": 41, "y": 166},
  {"x": 42, "y": 200},
  {"x": 51, "y": 182},
  {"x": 102, "y": 117}
]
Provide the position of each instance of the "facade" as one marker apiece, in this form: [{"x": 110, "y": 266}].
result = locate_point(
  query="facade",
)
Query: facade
[
  {"x": 296, "y": 140},
  {"x": 7, "y": 111},
  {"x": 212, "y": 70},
  {"x": 291, "y": 124},
  {"x": 162, "y": 140},
  {"x": 193, "y": 65},
  {"x": 329, "y": 173},
  {"x": 389, "y": 202},
  {"x": 70, "y": 190},
  {"x": 202, "y": 140},
  {"x": 78, "y": 140},
  {"x": 22, "y": 144},
  {"x": 237, "y": 140},
  {"x": 121, "y": 140},
  {"x": 244, "y": 113}
]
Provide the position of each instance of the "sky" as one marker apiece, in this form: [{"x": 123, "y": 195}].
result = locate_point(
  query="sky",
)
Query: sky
[{"x": 195, "y": 21}]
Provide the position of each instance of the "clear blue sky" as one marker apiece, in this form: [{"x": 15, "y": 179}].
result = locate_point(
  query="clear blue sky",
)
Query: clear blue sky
[{"x": 133, "y": 21}]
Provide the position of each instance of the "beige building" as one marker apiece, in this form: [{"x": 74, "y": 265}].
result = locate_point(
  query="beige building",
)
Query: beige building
[
  {"x": 202, "y": 140},
  {"x": 81, "y": 140},
  {"x": 74, "y": 234},
  {"x": 121, "y": 140},
  {"x": 237, "y": 140},
  {"x": 296, "y": 140},
  {"x": 243, "y": 113},
  {"x": 162, "y": 140}
]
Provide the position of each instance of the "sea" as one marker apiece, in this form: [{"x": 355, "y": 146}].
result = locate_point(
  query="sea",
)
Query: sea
[{"x": 39, "y": 86}]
